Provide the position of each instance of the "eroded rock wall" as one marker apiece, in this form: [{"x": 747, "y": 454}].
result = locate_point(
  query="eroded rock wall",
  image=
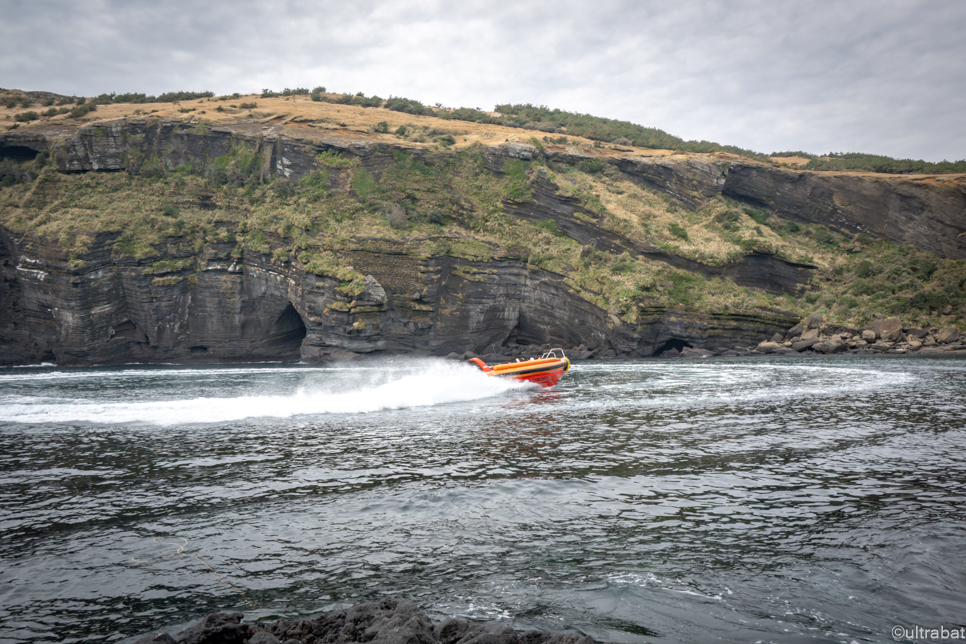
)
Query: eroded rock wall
[
  {"x": 928, "y": 212},
  {"x": 216, "y": 307}
]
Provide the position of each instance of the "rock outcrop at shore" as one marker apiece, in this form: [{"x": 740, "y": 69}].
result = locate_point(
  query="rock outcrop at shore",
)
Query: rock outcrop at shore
[
  {"x": 390, "y": 621},
  {"x": 883, "y": 335}
]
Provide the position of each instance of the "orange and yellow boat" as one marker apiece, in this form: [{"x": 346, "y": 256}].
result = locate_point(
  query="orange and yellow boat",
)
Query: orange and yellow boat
[{"x": 545, "y": 371}]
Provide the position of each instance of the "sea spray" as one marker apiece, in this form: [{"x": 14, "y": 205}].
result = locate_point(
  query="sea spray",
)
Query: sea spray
[{"x": 278, "y": 392}]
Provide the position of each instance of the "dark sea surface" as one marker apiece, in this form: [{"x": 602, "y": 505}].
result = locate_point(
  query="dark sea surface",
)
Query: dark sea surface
[{"x": 735, "y": 500}]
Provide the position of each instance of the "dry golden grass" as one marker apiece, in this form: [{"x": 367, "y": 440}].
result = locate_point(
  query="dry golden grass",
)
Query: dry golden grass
[
  {"x": 791, "y": 161},
  {"x": 300, "y": 117}
]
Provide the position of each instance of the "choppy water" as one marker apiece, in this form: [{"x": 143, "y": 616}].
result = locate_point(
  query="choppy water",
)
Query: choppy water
[{"x": 782, "y": 499}]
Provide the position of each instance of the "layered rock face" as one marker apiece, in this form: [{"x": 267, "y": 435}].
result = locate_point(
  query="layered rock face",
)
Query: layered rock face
[
  {"x": 928, "y": 212},
  {"x": 118, "y": 309}
]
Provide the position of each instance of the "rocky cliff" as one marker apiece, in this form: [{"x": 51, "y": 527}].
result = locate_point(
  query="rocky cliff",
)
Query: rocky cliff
[
  {"x": 214, "y": 303},
  {"x": 117, "y": 310}
]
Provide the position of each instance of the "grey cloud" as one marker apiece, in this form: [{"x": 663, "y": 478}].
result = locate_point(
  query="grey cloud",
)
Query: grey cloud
[{"x": 872, "y": 76}]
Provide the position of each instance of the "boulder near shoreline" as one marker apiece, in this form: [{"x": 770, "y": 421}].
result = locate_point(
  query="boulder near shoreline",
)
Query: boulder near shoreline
[
  {"x": 389, "y": 621},
  {"x": 882, "y": 335}
]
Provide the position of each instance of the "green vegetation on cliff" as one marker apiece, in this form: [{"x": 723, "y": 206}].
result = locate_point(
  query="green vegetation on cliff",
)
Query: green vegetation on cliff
[{"x": 875, "y": 163}]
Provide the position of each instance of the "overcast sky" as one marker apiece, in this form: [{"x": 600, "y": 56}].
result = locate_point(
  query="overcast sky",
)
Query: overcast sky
[{"x": 878, "y": 76}]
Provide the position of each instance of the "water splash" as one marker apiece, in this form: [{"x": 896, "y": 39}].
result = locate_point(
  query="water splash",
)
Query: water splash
[{"x": 347, "y": 389}]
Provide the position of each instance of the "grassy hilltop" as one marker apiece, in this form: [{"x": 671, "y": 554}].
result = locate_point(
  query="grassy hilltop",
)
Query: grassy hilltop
[{"x": 449, "y": 203}]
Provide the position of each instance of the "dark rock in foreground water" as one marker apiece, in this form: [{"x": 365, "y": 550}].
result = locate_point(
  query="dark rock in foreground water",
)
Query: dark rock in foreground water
[{"x": 389, "y": 621}]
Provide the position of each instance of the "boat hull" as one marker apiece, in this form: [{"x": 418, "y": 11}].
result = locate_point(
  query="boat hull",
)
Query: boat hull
[{"x": 545, "y": 372}]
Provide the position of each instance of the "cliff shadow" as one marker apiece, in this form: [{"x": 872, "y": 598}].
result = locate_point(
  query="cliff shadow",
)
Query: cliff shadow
[{"x": 283, "y": 339}]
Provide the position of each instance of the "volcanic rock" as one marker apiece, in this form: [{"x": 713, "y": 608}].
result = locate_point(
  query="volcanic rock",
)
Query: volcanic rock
[
  {"x": 947, "y": 335},
  {"x": 796, "y": 330},
  {"x": 889, "y": 330},
  {"x": 811, "y": 334},
  {"x": 695, "y": 352},
  {"x": 802, "y": 345},
  {"x": 389, "y": 621},
  {"x": 882, "y": 346},
  {"x": 813, "y": 321},
  {"x": 768, "y": 347},
  {"x": 832, "y": 345}
]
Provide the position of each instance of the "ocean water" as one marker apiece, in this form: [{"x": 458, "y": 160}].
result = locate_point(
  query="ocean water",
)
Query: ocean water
[{"x": 818, "y": 499}]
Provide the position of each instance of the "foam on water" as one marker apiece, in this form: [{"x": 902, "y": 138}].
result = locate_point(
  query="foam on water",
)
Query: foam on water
[
  {"x": 687, "y": 385},
  {"x": 392, "y": 384}
]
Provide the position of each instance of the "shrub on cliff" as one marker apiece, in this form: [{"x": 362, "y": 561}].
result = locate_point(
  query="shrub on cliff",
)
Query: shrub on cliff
[
  {"x": 283, "y": 187},
  {"x": 363, "y": 184},
  {"x": 315, "y": 185},
  {"x": 517, "y": 187},
  {"x": 467, "y": 114},
  {"x": 298, "y": 91},
  {"x": 137, "y": 98},
  {"x": 241, "y": 166},
  {"x": 879, "y": 163},
  {"x": 757, "y": 215},
  {"x": 82, "y": 110},
  {"x": 173, "y": 97},
  {"x": 26, "y": 117},
  {"x": 12, "y": 173},
  {"x": 409, "y": 106},
  {"x": 675, "y": 229},
  {"x": 591, "y": 166},
  {"x": 152, "y": 169}
]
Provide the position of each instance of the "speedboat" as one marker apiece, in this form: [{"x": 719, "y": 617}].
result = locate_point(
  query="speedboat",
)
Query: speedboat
[{"x": 544, "y": 371}]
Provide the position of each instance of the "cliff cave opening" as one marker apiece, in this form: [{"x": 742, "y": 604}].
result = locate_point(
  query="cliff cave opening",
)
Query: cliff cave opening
[
  {"x": 527, "y": 332},
  {"x": 672, "y": 345},
  {"x": 19, "y": 153},
  {"x": 284, "y": 338}
]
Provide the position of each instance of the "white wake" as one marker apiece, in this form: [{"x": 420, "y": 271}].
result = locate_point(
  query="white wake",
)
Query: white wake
[{"x": 377, "y": 386}]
